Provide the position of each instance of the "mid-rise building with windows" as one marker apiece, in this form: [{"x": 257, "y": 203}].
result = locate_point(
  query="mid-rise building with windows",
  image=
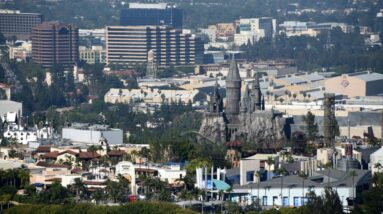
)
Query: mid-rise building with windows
[
  {"x": 151, "y": 14},
  {"x": 55, "y": 43},
  {"x": 131, "y": 45},
  {"x": 13, "y": 23}
]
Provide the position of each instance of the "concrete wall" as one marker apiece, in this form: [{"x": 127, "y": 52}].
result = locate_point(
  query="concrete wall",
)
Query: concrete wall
[
  {"x": 350, "y": 86},
  {"x": 10, "y": 106},
  {"x": 114, "y": 136},
  {"x": 247, "y": 165},
  {"x": 290, "y": 193}
]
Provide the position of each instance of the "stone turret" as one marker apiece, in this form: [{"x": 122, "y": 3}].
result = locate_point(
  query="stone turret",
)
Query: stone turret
[
  {"x": 245, "y": 100},
  {"x": 216, "y": 103},
  {"x": 233, "y": 90},
  {"x": 255, "y": 95}
]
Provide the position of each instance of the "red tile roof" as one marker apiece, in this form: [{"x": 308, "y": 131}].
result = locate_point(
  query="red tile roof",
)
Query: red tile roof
[
  {"x": 53, "y": 179},
  {"x": 41, "y": 163},
  {"x": 145, "y": 170},
  {"x": 43, "y": 149},
  {"x": 51, "y": 154},
  {"x": 76, "y": 170},
  {"x": 115, "y": 153},
  {"x": 89, "y": 155},
  {"x": 69, "y": 152}
]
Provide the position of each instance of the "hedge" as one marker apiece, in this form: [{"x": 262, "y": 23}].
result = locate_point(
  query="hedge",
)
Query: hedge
[{"x": 132, "y": 208}]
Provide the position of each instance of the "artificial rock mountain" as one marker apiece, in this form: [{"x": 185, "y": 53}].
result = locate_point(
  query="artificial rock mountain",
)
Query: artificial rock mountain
[{"x": 241, "y": 119}]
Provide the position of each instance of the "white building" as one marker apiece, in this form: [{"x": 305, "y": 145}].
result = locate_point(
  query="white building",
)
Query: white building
[
  {"x": 10, "y": 106},
  {"x": 246, "y": 37},
  {"x": 296, "y": 28},
  {"x": 294, "y": 189},
  {"x": 95, "y": 54},
  {"x": 131, "y": 171},
  {"x": 150, "y": 95},
  {"x": 21, "y": 52},
  {"x": 266, "y": 25},
  {"x": 100, "y": 33},
  {"x": 91, "y": 134},
  {"x": 376, "y": 157}
]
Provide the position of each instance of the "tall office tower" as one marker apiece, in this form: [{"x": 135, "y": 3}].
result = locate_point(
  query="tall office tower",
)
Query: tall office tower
[
  {"x": 131, "y": 44},
  {"x": 151, "y": 14},
  {"x": 15, "y": 23},
  {"x": 55, "y": 43}
]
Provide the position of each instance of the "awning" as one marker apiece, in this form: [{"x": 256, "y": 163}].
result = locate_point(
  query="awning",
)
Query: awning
[{"x": 221, "y": 185}]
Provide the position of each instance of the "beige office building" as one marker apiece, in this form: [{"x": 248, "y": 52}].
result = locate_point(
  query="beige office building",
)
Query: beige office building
[
  {"x": 356, "y": 84},
  {"x": 131, "y": 44}
]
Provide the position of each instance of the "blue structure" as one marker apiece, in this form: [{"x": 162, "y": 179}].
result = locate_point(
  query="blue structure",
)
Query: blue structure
[{"x": 169, "y": 16}]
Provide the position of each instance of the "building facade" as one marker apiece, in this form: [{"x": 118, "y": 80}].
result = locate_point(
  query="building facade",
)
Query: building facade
[
  {"x": 356, "y": 84},
  {"x": 93, "y": 55},
  {"x": 151, "y": 14},
  {"x": 151, "y": 96},
  {"x": 91, "y": 134},
  {"x": 131, "y": 44},
  {"x": 243, "y": 117},
  {"x": 15, "y": 23},
  {"x": 55, "y": 43}
]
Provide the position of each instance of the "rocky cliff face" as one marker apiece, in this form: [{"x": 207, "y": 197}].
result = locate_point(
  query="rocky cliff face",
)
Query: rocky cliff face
[
  {"x": 213, "y": 127},
  {"x": 263, "y": 128}
]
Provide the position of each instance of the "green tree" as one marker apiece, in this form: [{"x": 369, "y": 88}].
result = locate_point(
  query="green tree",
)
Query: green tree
[
  {"x": 24, "y": 175},
  {"x": 304, "y": 176},
  {"x": 311, "y": 126},
  {"x": 327, "y": 203},
  {"x": 373, "y": 197},
  {"x": 55, "y": 194}
]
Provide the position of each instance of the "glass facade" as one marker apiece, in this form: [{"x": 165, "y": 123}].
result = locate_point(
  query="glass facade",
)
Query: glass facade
[{"x": 139, "y": 16}]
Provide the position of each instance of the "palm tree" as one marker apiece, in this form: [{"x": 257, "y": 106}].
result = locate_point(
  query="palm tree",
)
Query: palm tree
[
  {"x": 230, "y": 190},
  {"x": 126, "y": 157},
  {"x": 98, "y": 195},
  {"x": 134, "y": 155},
  {"x": 145, "y": 153},
  {"x": 69, "y": 161},
  {"x": 92, "y": 148},
  {"x": 270, "y": 161},
  {"x": 258, "y": 174},
  {"x": 353, "y": 174},
  {"x": 221, "y": 194},
  {"x": 281, "y": 172},
  {"x": 24, "y": 176},
  {"x": 304, "y": 176},
  {"x": 328, "y": 166},
  {"x": 378, "y": 166},
  {"x": 79, "y": 186},
  {"x": 11, "y": 176}
]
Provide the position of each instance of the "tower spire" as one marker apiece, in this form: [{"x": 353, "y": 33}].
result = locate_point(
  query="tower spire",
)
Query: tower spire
[
  {"x": 233, "y": 89},
  {"x": 216, "y": 104},
  {"x": 256, "y": 95}
]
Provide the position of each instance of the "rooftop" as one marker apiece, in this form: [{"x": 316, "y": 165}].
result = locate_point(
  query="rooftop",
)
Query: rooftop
[
  {"x": 366, "y": 76},
  {"x": 148, "y": 6},
  {"x": 337, "y": 178}
]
